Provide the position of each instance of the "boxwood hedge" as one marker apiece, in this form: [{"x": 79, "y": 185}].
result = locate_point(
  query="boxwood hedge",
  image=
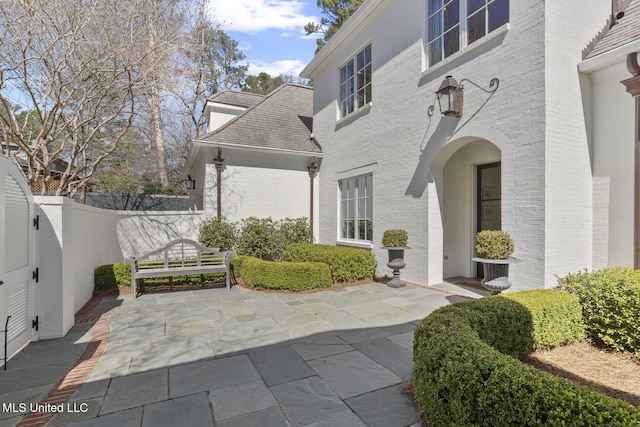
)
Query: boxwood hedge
[
  {"x": 112, "y": 276},
  {"x": 346, "y": 264},
  {"x": 466, "y": 371},
  {"x": 610, "y": 300},
  {"x": 291, "y": 276}
]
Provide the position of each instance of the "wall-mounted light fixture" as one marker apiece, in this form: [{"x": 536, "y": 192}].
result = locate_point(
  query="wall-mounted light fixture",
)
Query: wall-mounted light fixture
[
  {"x": 190, "y": 183},
  {"x": 450, "y": 95}
]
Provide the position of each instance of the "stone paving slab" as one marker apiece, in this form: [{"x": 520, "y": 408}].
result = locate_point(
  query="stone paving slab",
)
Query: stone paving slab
[
  {"x": 211, "y": 374},
  {"x": 272, "y": 417},
  {"x": 353, "y": 373},
  {"x": 280, "y": 365},
  {"x": 383, "y": 408},
  {"x": 190, "y": 410},
  {"x": 308, "y": 401},
  {"x": 240, "y": 400},
  {"x": 393, "y": 357},
  {"x": 135, "y": 390}
]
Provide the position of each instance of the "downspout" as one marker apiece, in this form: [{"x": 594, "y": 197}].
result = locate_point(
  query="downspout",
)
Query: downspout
[
  {"x": 219, "y": 162},
  {"x": 633, "y": 87},
  {"x": 313, "y": 171}
]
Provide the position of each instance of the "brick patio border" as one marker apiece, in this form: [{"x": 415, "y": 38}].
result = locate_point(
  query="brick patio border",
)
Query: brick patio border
[{"x": 77, "y": 375}]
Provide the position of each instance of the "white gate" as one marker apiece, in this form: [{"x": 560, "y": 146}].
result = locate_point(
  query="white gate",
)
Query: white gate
[{"x": 17, "y": 271}]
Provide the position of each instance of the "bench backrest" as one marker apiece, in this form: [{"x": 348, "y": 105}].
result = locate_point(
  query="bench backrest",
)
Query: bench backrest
[{"x": 181, "y": 253}]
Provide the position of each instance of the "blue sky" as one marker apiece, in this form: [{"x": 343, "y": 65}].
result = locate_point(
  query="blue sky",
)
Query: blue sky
[{"x": 269, "y": 32}]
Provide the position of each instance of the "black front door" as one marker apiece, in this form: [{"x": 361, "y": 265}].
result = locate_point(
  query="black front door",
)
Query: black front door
[{"x": 488, "y": 209}]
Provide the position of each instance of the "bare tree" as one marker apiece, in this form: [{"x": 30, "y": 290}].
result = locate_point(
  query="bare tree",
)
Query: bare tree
[{"x": 76, "y": 65}]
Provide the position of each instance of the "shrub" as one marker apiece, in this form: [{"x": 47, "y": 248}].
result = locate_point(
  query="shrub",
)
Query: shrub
[
  {"x": 494, "y": 244},
  {"x": 464, "y": 375},
  {"x": 218, "y": 233},
  {"x": 112, "y": 276},
  {"x": 257, "y": 237},
  {"x": 556, "y": 316},
  {"x": 610, "y": 299},
  {"x": 263, "y": 238},
  {"x": 235, "y": 265},
  {"x": 395, "y": 238},
  {"x": 346, "y": 264},
  {"x": 291, "y": 276}
]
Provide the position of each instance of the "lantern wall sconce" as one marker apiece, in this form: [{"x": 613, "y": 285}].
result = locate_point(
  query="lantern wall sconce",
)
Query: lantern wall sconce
[
  {"x": 450, "y": 95},
  {"x": 190, "y": 183}
]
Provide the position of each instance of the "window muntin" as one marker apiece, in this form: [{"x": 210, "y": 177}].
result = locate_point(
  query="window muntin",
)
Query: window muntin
[
  {"x": 355, "y": 82},
  {"x": 454, "y": 24},
  {"x": 356, "y": 208}
]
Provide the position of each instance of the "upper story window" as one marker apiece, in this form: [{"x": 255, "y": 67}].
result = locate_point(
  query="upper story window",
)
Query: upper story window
[
  {"x": 454, "y": 24},
  {"x": 355, "y": 82}
]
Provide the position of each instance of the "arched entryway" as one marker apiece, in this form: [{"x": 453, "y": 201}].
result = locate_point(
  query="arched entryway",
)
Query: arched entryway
[{"x": 469, "y": 192}]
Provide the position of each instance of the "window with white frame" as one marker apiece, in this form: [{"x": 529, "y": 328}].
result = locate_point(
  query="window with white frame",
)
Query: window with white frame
[
  {"x": 356, "y": 208},
  {"x": 355, "y": 82},
  {"x": 454, "y": 24}
]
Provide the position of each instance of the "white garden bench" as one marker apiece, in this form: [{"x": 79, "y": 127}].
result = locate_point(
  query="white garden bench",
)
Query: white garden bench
[{"x": 180, "y": 257}]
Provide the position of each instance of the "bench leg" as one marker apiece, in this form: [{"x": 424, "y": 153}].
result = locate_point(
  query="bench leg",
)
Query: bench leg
[{"x": 227, "y": 279}]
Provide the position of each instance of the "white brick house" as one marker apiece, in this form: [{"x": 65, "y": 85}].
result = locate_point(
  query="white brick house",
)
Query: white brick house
[
  {"x": 524, "y": 159},
  {"x": 261, "y": 148}
]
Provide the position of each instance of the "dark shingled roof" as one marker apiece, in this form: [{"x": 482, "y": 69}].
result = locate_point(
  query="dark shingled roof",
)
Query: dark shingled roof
[
  {"x": 625, "y": 31},
  {"x": 241, "y": 99},
  {"x": 281, "y": 120}
]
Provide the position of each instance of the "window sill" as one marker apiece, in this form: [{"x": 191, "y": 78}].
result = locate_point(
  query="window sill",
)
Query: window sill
[
  {"x": 362, "y": 111},
  {"x": 355, "y": 244},
  {"x": 499, "y": 32}
]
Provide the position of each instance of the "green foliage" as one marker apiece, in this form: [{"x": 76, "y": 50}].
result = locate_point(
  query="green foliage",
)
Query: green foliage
[
  {"x": 336, "y": 13},
  {"x": 556, "y": 316},
  {"x": 262, "y": 238},
  {"x": 494, "y": 244},
  {"x": 395, "y": 238},
  {"x": 257, "y": 238},
  {"x": 464, "y": 372},
  {"x": 218, "y": 233},
  {"x": 291, "y": 276},
  {"x": 346, "y": 264},
  {"x": 610, "y": 300},
  {"x": 236, "y": 263},
  {"x": 112, "y": 276}
]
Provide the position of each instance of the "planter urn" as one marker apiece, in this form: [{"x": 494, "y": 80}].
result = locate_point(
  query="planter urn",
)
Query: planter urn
[
  {"x": 396, "y": 263},
  {"x": 496, "y": 273}
]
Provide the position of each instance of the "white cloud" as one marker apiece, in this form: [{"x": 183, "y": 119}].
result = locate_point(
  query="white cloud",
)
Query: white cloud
[
  {"x": 284, "y": 66},
  {"x": 253, "y": 16}
]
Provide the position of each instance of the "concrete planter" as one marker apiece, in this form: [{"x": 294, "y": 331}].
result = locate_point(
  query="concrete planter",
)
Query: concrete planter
[
  {"x": 496, "y": 273},
  {"x": 396, "y": 263}
]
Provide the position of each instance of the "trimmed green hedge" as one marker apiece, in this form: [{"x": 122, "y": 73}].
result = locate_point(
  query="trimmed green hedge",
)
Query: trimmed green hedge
[
  {"x": 466, "y": 373},
  {"x": 346, "y": 264},
  {"x": 556, "y": 316},
  {"x": 112, "y": 276},
  {"x": 291, "y": 276},
  {"x": 610, "y": 301},
  {"x": 115, "y": 276}
]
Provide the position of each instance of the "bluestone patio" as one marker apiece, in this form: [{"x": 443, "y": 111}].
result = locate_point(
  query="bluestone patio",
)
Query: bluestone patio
[{"x": 214, "y": 357}]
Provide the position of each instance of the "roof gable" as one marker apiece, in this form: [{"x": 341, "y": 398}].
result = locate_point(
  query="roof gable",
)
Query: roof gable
[
  {"x": 624, "y": 31},
  {"x": 281, "y": 120},
  {"x": 240, "y": 99}
]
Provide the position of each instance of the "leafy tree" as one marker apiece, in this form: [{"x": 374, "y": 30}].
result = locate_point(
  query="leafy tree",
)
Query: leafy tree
[
  {"x": 263, "y": 83},
  {"x": 213, "y": 62},
  {"x": 336, "y": 13}
]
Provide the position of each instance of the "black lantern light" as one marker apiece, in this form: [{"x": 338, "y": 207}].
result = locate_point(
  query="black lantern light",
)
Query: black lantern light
[
  {"x": 450, "y": 97},
  {"x": 190, "y": 183}
]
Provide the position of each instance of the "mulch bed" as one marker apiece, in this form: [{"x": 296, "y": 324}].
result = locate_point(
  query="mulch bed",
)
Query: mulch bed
[{"x": 610, "y": 373}]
